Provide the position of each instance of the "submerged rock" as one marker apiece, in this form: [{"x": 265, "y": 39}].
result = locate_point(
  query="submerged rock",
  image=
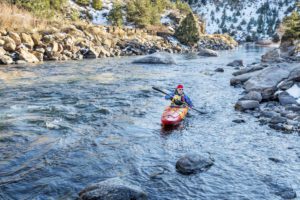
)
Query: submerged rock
[
  {"x": 236, "y": 63},
  {"x": 207, "y": 53},
  {"x": 193, "y": 163},
  {"x": 243, "y": 105},
  {"x": 156, "y": 58},
  {"x": 113, "y": 189}
]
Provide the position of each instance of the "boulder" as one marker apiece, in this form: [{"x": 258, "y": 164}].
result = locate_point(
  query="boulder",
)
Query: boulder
[
  {"x": 6, "y": 60},
  {"x": 286, "y": 99},
  {"x": 271, "y": 56},
  {"x": 219, "y": 69},
  {"x": 240, "y": 79},
  {"x": 207, "y": 53},
  {"x": 194, "y": 163},
  {"x": 278, "y": 120},
  {"x": 156, "y": 58},
  {"x": 38, "y": 55},
  {"x": 264, "y": 42},
  {"x": 252, "y": 95},
  {"x": 27, "y": 56},
  {"x": 248, "y": 70},
  {"x": 15, "y": 37},
  {"x": 236, "y": 63},
  {"x": 27, "y": 40},
  {"x": 36, "y": 38},
  {"x": 113, "y": 189},
  {"x": 9, "y": 44},
  {"x": 266, "y": 81},
  {"x": 243, "y": 105},
  {"x": 2, "y": 42},
  {"x": 91, "y": 53}
]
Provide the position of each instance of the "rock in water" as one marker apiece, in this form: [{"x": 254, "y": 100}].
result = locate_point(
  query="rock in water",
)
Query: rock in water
[
  {"x": 253, "y": 95},
  {"x": 267, "y": 80},
  {"x": 286, "y": 99},
  {"x": 243, "y": 105},
  {"x": 236, "y": 63},
  {"x": 219, "y": 69},
  {"x": 193, "y": 163},
  {"x": 207, "y": 53},
  {"x": 6, "y": 60},
  {"x": 113, "y": 189},
  {"x": 271, "y": 56},
  {"x": 156, "y": 58},
  {"x": 27, "y": 56}
]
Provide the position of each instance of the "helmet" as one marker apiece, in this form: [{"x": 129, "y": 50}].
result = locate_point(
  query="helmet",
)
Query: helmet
[{"x": 180, "y": 86}]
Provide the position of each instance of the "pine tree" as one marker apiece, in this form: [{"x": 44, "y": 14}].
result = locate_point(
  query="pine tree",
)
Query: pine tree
[
  {"x": 188, "y": 32},
  {"x": 115, "y": 15},
  {"x": 97, "y": 4},
  {"x": 292, "y": 26}
]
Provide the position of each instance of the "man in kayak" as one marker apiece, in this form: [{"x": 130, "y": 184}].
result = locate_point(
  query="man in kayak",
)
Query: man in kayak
[{"x": 178, "y": 98}]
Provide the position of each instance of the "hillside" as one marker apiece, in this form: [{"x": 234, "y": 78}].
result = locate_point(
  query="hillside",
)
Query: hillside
[{"x": 244, "y": 20}]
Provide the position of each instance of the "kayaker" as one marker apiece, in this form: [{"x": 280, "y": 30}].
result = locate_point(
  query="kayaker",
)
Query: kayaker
[{"x": 178, "y": 97}]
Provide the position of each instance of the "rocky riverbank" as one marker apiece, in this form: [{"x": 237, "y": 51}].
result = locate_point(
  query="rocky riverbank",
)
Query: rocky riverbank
[
  {"x": 272, "y": 87},
  {"x": 76, "y": 42}
]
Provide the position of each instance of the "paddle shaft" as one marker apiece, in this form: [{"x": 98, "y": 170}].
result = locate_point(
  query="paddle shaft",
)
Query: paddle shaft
[{"x": 159, "y": 90}]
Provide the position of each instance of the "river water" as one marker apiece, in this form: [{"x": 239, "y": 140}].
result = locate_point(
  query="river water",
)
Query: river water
[{"x": 66, "y": 125}]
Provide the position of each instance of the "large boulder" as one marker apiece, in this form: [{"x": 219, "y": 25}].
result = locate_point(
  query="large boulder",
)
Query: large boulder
[
  {"x": 271, "y": 56},
  {"x": 236, "y": 63},
  {"x": 27, "y": 56},
  {"x": 207, "y": 52},
  {"x": 194, "y": 163},
  {"x": 266, "y": 81},
  {"x": 112, "y": 189},
  {"x": 243, "y": 105},
  {"x": 2, "y": 51},
  {"x": 156, "y": 58},
  {"x": 248, "y": 70}
]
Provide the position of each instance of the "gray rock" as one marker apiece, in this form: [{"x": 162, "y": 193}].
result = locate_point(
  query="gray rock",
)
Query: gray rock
[
  {"x": 194, "y": 163},
  {"x": 269, "y": 114},
  {"x": 278, "y": 120},
  {"x": 266, "y": 81},
  {"x": 236, "y": 63},
  {"x": 242, "y": 78},
  {"x": 207, "y": 53},
  {"x": 286, "y": 99},
  {"x": 252, "y": 95},
  {"x": 295, "y": 74},
  {"x": 243, "y": 105},
  {"x": 238, "y": 121},
  {"x": 285, "y": 84},
  {"x": 156, "y": 58},
  {"x": 219, "y": 70},
  {"x": 248, "y": 69},
  {"x": 271, "y": 56},
  {"x": 113, "y": 189}
]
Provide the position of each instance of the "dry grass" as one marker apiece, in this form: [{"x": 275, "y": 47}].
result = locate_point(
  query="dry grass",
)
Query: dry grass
[{"x": 14, "y": 18}]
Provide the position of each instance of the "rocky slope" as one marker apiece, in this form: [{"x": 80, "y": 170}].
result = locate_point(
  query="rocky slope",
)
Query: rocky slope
[
  {"x": 244, "y": 20},
  {"x": 272, "y": 88}
]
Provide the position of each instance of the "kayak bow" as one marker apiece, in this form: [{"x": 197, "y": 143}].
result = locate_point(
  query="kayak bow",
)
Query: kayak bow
[{"x": 173, "y": 115}]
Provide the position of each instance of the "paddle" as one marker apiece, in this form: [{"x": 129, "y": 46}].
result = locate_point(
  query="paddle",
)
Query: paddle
[{"x": 159, "y": 90}]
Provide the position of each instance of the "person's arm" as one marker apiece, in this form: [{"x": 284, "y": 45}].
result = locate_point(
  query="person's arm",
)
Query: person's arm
[
  {"x": 188, "y": 101},
  {"x": 169, "y": 96}
]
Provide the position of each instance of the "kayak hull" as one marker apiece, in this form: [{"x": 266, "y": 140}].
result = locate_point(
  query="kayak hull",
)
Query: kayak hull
[{"x": 172, "y": 116}]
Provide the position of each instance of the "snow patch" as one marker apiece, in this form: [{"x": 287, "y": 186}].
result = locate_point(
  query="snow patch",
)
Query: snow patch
[{"x": 294, "y": 92}]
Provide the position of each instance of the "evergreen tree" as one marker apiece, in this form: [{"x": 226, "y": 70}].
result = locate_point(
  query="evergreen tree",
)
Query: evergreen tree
[
  {"x": 292, "y": 26},
  {"x": 115, "y": 15},
  {"x": 188, "y": 32},
  {"x": 97, "y": 4}
]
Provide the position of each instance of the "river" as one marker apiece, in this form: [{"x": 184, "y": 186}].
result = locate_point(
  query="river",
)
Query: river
[{"x": 66, "y": 125}]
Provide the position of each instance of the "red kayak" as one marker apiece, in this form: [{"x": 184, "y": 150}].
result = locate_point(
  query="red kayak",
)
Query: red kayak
[{"x": 173, "y": 115}]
